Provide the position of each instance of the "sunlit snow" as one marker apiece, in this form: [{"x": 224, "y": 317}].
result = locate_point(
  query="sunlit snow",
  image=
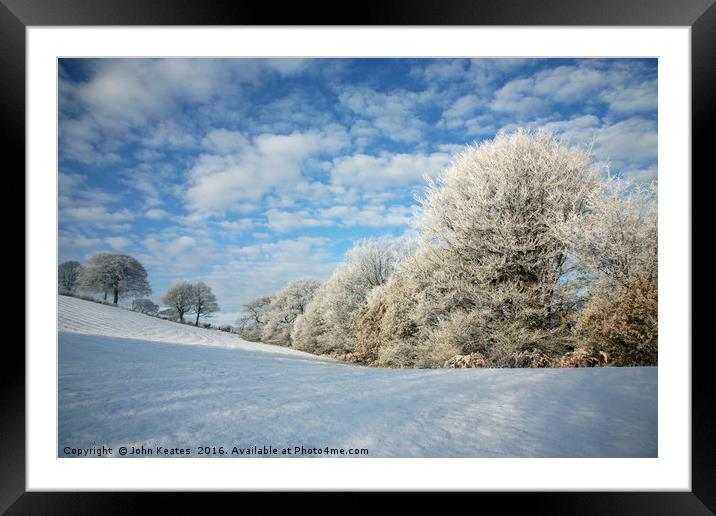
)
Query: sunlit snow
[{"x": 127, "y": 379}]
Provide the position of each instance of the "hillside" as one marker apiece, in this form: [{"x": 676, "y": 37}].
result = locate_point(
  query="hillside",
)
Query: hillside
[{"x": 127, "y": 379}]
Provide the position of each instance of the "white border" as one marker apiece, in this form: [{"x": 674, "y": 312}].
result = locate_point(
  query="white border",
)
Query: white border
[{"x": 671, "y": 470}]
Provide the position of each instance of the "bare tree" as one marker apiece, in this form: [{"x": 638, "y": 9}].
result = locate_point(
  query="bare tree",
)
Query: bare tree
[
  {"x": 203, "y": 301},
  {"x": 68, "y": 274},
  {"x": 119, "y": 274},
  {"x": 180, "y": 297}
]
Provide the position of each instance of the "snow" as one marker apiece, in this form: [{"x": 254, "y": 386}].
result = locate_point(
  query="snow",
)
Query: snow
[{"x": 127, "y": 379}]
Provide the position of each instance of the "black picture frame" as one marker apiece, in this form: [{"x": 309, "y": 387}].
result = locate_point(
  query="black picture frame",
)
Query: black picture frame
[{"x": 700, "y": 15}]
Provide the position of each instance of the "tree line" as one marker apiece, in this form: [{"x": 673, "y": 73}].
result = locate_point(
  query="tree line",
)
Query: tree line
[
  {"x": 121, "y": 276},
  {"x": 528, "y": 254}
]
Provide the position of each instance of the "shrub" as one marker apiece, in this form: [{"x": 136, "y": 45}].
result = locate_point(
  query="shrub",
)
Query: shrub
[
  {"x": 145, "y": 306},
  {"x": 465, "y": 361},
  {"x": 623, "y": 322},
  {"x": 388, "y": 315},
  {"x": 530, "y": 359},
  {"x": 389, "y": 328},
  {"x": 583, "y": 357}
]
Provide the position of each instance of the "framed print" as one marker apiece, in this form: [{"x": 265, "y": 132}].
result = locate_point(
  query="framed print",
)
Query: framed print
[{"x": 427, "y": 251}]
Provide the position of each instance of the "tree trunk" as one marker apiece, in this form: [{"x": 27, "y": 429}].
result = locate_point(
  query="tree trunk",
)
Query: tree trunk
[
  {"x": 197, "y": 319},
  {"x": 181, "y": 316},
  {"x": 105, "y": 295},
  {"x": 116, "y": 296}
]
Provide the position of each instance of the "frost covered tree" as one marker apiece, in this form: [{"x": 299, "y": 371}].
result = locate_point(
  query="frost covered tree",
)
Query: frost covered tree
[
  {"x": 68, "y": 275},
  {"x": 203, "y": 301},
  {"x": 253, "y": 318},
  {"x": 328, "y": 327},
  {"x": 145, "y": 306},
  {"x": 285, "y": 307},
  {"x": 617, "y": 238},
  {"x": 119, "y": 274},
  {"x": 492, "y": 262},
  {"x": 180, "y": 297},
  {"x": 391, "y": 331}
]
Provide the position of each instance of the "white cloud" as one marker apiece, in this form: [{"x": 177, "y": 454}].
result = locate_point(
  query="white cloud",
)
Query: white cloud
[
  {"x": 156, "y": 214},
  {"x": 569, "y": 84},
  {"x": 94, "y": 215},
  {"x": 442, "y": 70},
  {"x": 74, "y": 245},
  {"x": 224, "y": 141},
  {"x": 118, "y": 242},
  {"x": 461, "y": 110},
  {"x": 180, "y": 244},
  {"x": 128, "y": 100},
  {"x": 79, "y": 240},
  {"x": 153, "y": 181},
  {"x": 264, "y": 268},
  {"x": 245, "y": 173},
  {"x": 287, "y": 66},
  {"x": 516, "y": 97},
  {"x": 282, "y": 221},
  {"x": 369, "y": 216},
  {"x": 394, "y": 114},
  {"x": 172, "y": 255},
  {"x": 238, "y": 225},
  {"x": 69, "y": 182},
  {"x": 627, "y": 144},
  {"x": 167, "y": 134},
  {"x": 632, "y": 99},
  {"x": 387, "y": 170},
  {"x": 622, "y": 87},
  {"x": 641, "y": 175},
  {"x": 632, "y": 140},
  {"x": 246, "y": 250}
]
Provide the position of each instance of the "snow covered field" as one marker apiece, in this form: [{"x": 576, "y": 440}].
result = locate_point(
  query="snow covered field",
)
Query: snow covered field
[{"x": 126, "y": 379}]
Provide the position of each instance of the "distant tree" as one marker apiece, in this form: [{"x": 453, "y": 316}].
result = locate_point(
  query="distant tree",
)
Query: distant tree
[
  {"x": 168, "y": 313},
  {"x": 203, "y": 301},
  {"x": 120, "y": 274},
  {"x": 145, "y": 306},
  {"x": 68, "y": 275},
  {"x": 180, "y": 297},
  {"x": 253, "y": 318}
]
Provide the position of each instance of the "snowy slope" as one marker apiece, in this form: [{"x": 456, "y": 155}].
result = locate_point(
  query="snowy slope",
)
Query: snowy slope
[
  {"x": 127, "y": 379},
  {"x": 78, "y": 316}
]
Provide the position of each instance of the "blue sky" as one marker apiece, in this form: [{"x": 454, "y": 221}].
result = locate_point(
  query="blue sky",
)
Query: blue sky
[{"x": 247, "y": 174}]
